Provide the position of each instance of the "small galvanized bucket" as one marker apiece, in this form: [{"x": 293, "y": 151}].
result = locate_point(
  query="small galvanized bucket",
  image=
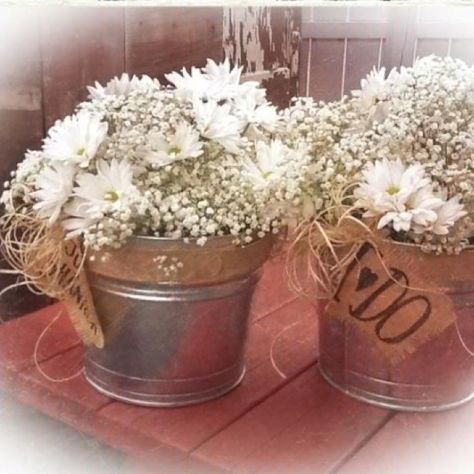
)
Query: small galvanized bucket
[
  {"x": 404, "y": 340},
  {"x": 174, "y": 317}
]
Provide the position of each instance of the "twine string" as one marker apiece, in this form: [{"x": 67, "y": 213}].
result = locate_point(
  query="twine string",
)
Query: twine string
[
  {"x": 37, "y": 252},
  {"x": 330, "y": 247},
  {"x": 36, "y": 350},
  {"x": 461, "y": 339},
  {"x": 272, "y": 358}
]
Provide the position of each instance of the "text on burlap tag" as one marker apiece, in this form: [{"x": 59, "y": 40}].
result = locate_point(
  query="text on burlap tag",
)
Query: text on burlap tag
[
  {"x": 388, "y": 297},
  {"x": 77, "y": 295}
]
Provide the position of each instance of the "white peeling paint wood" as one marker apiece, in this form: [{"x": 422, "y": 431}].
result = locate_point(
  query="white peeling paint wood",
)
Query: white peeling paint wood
[
  {"x": 242, "y": 36},
  {"x": 265, "y": 41},
  {"x": 291, "y": 42}
]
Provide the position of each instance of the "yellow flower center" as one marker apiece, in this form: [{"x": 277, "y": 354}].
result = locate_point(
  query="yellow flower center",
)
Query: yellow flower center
[
  {"x": 111, "y": 196},
  {"x": 392, "y": 190},
  {"x": 174, "y": 150},
  {"x": 81, "y": 151},
  {"x": 267, "y": 174}
]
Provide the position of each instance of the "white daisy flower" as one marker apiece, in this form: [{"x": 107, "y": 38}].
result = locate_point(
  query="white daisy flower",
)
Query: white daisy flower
[
  {"x": 269, "y": 165},
  {"x": 423, "y": 206},
  {"x": 400, "y": 196},
  {"x": 76, "y": 139},
  {"x": 258, "y": 93},
  {"x": 79, "y": 218},
  {"x": 216, "y": 123},
  {"x": 447, "y": 215},
  {"x": 189, "y": 86},
  {"x": 214, "y": 82},
  {"x": 400, "y": 221},
  {"x": 374, "y": 92},
  {"x": 388, "y": 185},
  {"x": 122, "y": 86},
  {"x": 256, "y": 114},
  {"x": 54, "y": 187},
  {"x": 418, "y": 213},
  {"x": 222, "y": 72},
  {"x": 180, "y": 146},
  {"x": 108, "y": 190}
]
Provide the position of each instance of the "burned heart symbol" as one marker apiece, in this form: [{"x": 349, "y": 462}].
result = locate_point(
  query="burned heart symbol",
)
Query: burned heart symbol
[{"x": 366, "y": 279}]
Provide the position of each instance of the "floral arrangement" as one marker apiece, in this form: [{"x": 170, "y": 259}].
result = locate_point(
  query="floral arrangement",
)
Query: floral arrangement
[
  {"x": 196, "y": 159},
  {"x": 210, "y": 156},
  {"x": 394, "y": 160}
]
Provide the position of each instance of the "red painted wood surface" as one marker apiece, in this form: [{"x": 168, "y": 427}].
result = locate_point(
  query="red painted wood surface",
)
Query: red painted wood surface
[
  {"x": 305, "y": 427},
  {"x": 284, "y": 418},
  {"x": 282, "y": 402}
]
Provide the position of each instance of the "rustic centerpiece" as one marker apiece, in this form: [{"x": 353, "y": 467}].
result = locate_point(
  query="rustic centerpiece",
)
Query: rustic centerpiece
[
  {"x": 150, "y": 212},
  {"x": 387, "y": 236}
]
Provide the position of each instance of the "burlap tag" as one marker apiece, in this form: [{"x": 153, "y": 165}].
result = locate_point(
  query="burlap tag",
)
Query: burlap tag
[
  {"x": 77, "y": 295},
  {"x": 396, "y": 301}
]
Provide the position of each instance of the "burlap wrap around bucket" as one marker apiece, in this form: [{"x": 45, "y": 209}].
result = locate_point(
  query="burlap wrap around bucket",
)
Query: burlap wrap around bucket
[
  {"x": 400, "y": 330},
  {"x": 174, "y": 317}
]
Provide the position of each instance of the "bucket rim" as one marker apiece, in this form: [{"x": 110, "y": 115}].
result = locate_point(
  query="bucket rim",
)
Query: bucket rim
[
  {"x": 411, "y": 245},
  {"x": 212, "y": 241}
]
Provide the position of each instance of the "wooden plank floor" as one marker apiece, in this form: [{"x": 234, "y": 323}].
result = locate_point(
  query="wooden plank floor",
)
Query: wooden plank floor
[{"x": 284, "y": 418}]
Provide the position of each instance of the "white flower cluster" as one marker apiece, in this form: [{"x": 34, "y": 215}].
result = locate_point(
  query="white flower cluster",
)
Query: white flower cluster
[
  {"x": 319, "y": 127},
  {"x": 420, "y": 115},
  {"x": 403, "y": 198},
  {"x": 192, "y": 160}
]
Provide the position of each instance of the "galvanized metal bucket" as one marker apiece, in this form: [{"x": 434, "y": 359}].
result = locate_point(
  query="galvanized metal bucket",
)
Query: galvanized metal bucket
[
  {"x": 174, "y": 316},
  {"x": 437, "y": 375}
]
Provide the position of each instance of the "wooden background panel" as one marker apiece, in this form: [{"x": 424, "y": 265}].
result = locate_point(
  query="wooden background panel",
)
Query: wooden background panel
[
  {"x": 20, "y": 86},
  {"x": 361, "y": 56},
  {"x": 369, "y": 14},
  {"x": 326, "y": 69},
  {"x": 323, "y": 59},
  {"x": 427, "y": 46},
  {"x": 78, "y": 46},
  {"x": 463, "y": 49},
  {"x": 21, "y": 120},
  {"x": 161, "y": 40},
  {"x": 323, "y": 14},
  {"x": 341, "y": 44}
]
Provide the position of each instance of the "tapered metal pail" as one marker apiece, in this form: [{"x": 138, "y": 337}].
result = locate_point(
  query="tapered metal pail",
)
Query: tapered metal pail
[
  {"x": 405, "y": 341},
  {"x": 174, "y": 316}
]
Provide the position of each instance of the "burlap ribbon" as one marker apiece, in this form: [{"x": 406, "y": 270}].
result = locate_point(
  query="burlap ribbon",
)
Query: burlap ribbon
[{"x": 53, "y": 265}]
